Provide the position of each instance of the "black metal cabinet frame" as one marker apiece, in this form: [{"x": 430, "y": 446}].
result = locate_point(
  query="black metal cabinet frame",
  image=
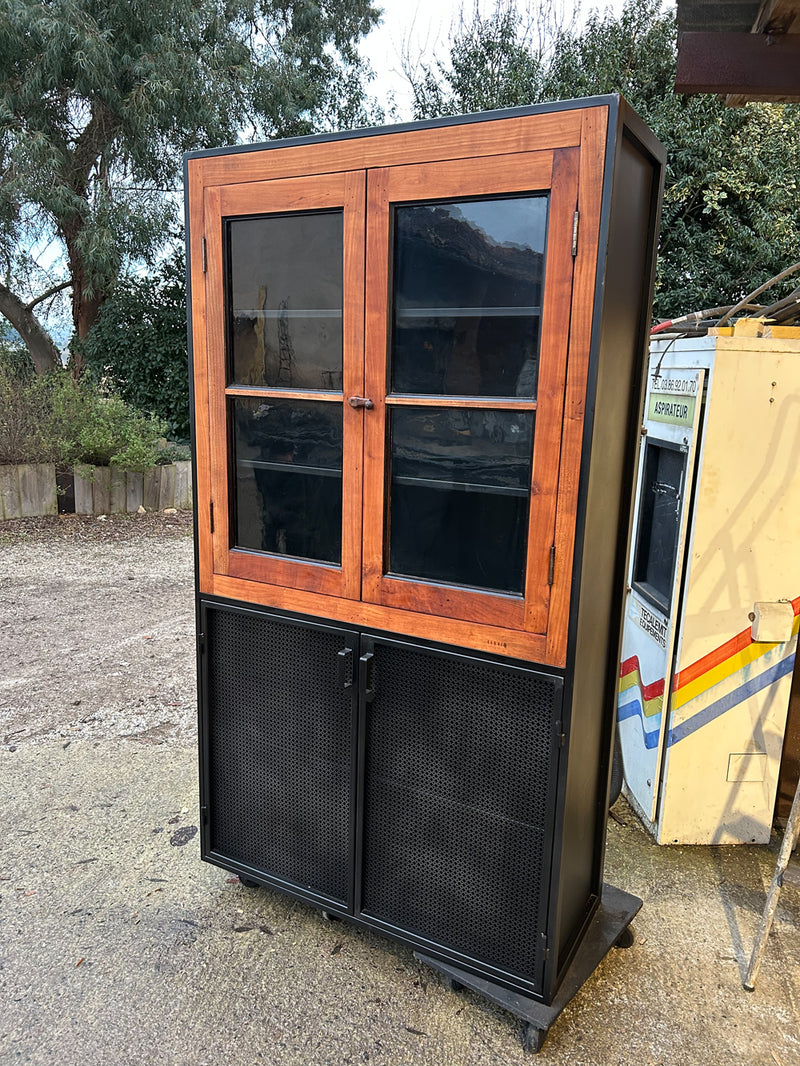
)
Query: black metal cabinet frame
[
  {"x": 339, "y": 684},
  {"x": 331, "y": 757}
]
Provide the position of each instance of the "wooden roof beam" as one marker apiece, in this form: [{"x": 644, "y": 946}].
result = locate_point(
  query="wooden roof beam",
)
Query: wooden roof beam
[
  {"x": 752, "y": 65},
  {"x": 777, "y": 16}
]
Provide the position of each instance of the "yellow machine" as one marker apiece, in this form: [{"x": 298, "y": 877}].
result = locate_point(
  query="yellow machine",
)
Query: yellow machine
[{"x": 711, "y": 613}]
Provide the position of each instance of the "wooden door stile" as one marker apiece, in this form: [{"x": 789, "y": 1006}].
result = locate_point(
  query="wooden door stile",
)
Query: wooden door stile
[
  {"x": 375, "y": 381},
  {"x": 354, "y": 201},
  {"x": 200, "y": 383},
  {"x": 552, "y": 363},
  {"x": 218, "y": 418},
  {"x": 592, "y": 165}
]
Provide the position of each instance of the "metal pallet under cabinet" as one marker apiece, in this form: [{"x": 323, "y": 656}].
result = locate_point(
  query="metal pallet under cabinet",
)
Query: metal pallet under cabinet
[{"x": 417, "y": 353}]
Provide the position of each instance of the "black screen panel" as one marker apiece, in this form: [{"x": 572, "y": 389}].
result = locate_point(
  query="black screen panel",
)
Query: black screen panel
[
  {"x": 659, "y": 523},
  {"x": 458, "y": 798},
  {"x": 279, "y": 744}
]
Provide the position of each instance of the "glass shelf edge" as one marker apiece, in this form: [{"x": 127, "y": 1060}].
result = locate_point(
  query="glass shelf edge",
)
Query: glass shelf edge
[
  {"x": 531, "y": 311},
  {"x": 460, "y": 486},
  {"x": 295, "y": 468},
  {"x": 247, "y": 312}
]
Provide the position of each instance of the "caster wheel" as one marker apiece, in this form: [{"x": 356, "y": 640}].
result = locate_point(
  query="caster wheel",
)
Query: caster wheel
[
  {"x": 453, "y": 985},
  {"x": 246, "y": 882},
  {"x": 328, "y": 916},
  {"x": 626, "y": 938},
  {"x": 532, "y": 1038}
]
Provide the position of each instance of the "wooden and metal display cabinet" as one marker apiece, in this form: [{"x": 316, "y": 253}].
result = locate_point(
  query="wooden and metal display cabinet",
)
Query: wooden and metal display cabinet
[{"x": 416, "y": 354}]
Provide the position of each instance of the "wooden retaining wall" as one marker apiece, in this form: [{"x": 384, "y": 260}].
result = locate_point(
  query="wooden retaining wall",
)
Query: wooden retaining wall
[{"x": 27, "y": 491}]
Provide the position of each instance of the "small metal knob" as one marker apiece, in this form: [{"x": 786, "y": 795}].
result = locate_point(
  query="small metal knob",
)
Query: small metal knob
[{"x": 360, "y": 401}]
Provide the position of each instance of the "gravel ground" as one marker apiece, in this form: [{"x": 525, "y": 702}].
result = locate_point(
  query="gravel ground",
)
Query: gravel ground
[
  {"x": 97, "y": 628},
  {"x": 118, "y": 947}
]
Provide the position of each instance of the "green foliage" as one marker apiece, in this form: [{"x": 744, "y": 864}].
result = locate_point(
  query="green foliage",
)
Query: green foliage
[
  {"x": 55, "y": 419},
  {"x": 100, "y": 430},
  {"x": 492, "y": 64},
  {"x": 13, "y": 353},
  {"x": 24, "y": 414},
  {"x": 731, "y": 217},
  {"x": 99, "y": 98},
  {"x": 138, "y": 345}
]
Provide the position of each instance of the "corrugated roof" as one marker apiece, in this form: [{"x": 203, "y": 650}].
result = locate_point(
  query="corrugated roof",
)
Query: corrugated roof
[
  {"x": 712, "y": 16},
  {"x": 737, "y": 16}
]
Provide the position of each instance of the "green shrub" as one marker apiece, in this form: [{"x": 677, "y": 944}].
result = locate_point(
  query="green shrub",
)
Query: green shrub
[
  {"x": 24, "y": 414},
  {"x": 139, "y": 346},
  {"x": 55, "y": 419}
]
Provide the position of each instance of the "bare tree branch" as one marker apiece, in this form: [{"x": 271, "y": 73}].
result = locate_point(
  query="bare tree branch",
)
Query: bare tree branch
[{"x": 50, "y": 292}]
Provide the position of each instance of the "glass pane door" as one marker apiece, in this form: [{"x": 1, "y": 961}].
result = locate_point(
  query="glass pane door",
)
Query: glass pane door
[
  {"x": 459, "y": 495},
  {"x": 292, "y": 280},
  {"x": 285, "y": 302},
  {"x": 466, "y": 276},
  {"x": 467, "y": 296},
  {"x": 285, "y": 294},
  {"x": 466, "y": 306},
  {"x": 288, "y": 464}
]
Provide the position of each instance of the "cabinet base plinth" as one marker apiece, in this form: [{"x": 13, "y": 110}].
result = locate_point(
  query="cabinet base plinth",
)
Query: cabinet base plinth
[{"x": 608, "y": 927}]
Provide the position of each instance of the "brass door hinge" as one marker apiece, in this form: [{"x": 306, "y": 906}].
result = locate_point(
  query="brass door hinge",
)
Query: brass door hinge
[
  {"x": 205, "y": 255},
  {"x": 575, "y": 221}
]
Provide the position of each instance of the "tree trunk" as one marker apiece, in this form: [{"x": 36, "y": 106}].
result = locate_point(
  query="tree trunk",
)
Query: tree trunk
[
  {"x": 85, "y": 309},
  {"x": 37, "y": 340}
]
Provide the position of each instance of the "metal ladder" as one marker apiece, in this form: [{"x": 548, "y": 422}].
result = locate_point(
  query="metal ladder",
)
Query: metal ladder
[{"x": 784, "y": 874}]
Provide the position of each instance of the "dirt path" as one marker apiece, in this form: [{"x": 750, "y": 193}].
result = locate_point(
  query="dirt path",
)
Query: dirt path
[
  {"x": 119, "y": 947},
  {"x": 97, "y": 629}
]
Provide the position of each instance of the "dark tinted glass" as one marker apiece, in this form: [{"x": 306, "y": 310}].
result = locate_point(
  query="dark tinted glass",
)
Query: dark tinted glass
[
  {"x": 285, "y": 300},
  {"x": 288, "y": 461},
  {"x": 467, "y": 296},
  {"x": 460, "y": 490},
  {"x": 659, "y": 523}
]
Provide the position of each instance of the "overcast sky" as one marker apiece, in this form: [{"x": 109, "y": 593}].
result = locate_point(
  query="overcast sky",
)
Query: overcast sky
[{"x": 422, "y": 27}]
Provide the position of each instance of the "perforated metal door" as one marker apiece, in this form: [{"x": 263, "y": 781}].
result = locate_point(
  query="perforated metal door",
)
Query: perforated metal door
[
  {"x": 458, "y": 779},
  {"x": 279, "y": 743}
]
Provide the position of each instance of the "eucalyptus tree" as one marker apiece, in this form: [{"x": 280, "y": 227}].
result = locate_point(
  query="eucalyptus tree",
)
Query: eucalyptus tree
[{"x": 98, "y": 100}]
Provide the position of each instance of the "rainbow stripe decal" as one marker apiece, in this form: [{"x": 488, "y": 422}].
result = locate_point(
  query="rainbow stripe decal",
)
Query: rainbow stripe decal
[{"x": 739, "y": 655}]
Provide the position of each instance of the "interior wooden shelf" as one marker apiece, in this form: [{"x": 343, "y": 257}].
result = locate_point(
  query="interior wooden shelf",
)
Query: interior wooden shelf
[{"x": 467, "y": 312}]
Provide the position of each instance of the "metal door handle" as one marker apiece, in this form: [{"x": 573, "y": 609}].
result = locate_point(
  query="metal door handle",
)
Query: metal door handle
[
  {"x": 368, "y": 676},
  {"x": 344, "y": 668},
  {"x": 360, "y": 401}
]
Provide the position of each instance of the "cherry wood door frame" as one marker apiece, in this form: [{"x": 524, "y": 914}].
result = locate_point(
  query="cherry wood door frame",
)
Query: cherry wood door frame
[
  {"x": 584, "y": 129},
  {"x": 345, "y": 191},
  {"x": 554, "y": 173}
]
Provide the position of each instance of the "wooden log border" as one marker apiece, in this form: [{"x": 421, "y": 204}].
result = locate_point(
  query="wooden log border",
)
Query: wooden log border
[{"x": 34, "y": 490}]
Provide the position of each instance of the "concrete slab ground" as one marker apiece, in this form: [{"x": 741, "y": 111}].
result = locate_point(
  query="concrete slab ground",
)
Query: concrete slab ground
[{"x": 118, "y": 946}]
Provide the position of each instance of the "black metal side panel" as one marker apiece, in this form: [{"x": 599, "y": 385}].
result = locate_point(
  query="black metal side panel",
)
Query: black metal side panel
[
  {"x": 612, "y": 409},
  {"x": 460, "y": 757},
  {"x": 278, "y": 749}
]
